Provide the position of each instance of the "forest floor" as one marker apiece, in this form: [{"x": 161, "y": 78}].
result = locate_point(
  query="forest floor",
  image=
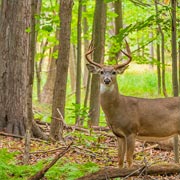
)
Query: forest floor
[{"x": 91, "y": 150}]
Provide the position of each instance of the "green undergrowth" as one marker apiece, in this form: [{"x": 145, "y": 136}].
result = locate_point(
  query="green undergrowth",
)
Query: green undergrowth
[{"x": 63, "y": 169}]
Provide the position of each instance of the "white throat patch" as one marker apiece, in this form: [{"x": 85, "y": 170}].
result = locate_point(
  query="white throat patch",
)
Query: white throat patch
[{"x": 104, "y": 88}]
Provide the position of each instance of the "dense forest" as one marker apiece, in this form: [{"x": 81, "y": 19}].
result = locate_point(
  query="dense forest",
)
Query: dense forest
[{"x": 50, "y": 102}]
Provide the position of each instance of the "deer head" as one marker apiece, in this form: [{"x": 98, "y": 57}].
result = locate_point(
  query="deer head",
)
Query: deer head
[{"x": 107, "y": 73}]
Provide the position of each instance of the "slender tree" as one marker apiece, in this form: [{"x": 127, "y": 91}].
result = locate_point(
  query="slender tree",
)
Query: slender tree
[
  {"x": 86, "y": 43},
  {"x": 59, "y": 94},
  {"x": 72, "y": 68},
  {"x": 174, "y": 67},
  {"x": 160, "y": 31},
  {"x": 78, "y": 73},
  {"x": 118, "y": 21},
  {"x": 47, "y": 92},
  {"x": 98, "y": 56}
]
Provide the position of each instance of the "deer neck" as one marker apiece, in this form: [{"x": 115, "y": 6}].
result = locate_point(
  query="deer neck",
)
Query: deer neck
[{"x": 109, "y": 92}]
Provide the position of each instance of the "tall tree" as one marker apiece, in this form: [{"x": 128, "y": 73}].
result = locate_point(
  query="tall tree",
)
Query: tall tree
[
  {"x": 174, "y": 67},
  {"x": 47, "y": 92},
  {"x": 15, "y": 66},
  {"x": 160, "y": 31},
  {"x": 86, "y": 43},
  {"x": 98, "y": 56},
  {"x": 78, "y": 73},
  {"x": 59, "y": 94}
]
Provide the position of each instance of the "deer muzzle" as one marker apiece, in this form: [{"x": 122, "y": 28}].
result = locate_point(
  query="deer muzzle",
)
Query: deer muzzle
[{"x": 107, "y": 81}]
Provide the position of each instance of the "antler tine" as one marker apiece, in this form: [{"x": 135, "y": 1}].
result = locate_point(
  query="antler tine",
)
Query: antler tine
[
  {"x": 90, "y": 50},
  {"x": 128, "y": 54}
]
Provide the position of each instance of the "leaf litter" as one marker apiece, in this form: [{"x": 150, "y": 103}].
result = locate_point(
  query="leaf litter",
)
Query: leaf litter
[{"x": 95, "y": 148}]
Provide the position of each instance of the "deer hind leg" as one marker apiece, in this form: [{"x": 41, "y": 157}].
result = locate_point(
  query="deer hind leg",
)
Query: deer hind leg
[
  {"x": 121, "y": 151},
  {"x": 130, "y": 149}
]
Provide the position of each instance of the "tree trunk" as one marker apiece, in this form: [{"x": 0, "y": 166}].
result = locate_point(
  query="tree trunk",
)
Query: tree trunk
[
  {"x": 14, "y": 64},
  {"x": 86, "y": 44},
  {"x": 174, "y": 67},
  {"x": 38, "y": 66},
  {"x": 30, "y": 73},
  {"x": 118, "y": 22},
  {"x": 98, "y": 56},
  {"x": 158, "y": 68},
  {"x": 59, "y": 94},
  {"x": 151, "y": 49},
  {"x": 119, "y": 17},
  {"x": 78, "y": 68},
  {"x": 72, "y": 69},
  {"x": 47, "y": 92},
  {"x": 162, "y": 52}
]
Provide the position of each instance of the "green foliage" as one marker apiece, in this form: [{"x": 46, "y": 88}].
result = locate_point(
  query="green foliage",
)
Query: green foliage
[
  {"x": 70, "y": 171},
  {"x": 77, "y": 110},
  {"x": 46, "y": 27},
  {"x": 62, "y": 170},
  {"x": 9, "y": 169}
]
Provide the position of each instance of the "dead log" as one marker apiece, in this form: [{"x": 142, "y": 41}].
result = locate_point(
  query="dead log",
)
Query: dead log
[
  {"x": 42, "y": 172},
  {"x": 111, "y": 172}
]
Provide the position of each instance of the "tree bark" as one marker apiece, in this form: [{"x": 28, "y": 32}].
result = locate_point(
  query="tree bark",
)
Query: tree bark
[
  {"x": 72, "y": 69},
  {"x": 14, "y": 63},
  {"x": 108, "y": 173},
  {"x": 118, "y": 24},
  {"x": 86, "y": 44},
  {"x": 98, "y": 56},
  {"x": 174, "y": 68},
  {"x": 158, "y": 68},
  {"x": 59, "y": 94},
  {"x": 38, "y": 66},
  {"x": 78, "y": 68},
  {"x": 162, "y": 52},
  {"x": 47, "y": 92}
]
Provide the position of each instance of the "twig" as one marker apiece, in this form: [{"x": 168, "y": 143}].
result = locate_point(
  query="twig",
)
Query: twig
[
  {"x": 42, "y": 172},
  {"x": 135, "y": 171},
  {"x": 51, "y": 150},
  {"x": 87, "y": 150}
]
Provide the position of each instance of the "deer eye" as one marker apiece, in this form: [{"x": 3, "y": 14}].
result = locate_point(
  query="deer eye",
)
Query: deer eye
[
  {"x": 102, "y": 72},
  {"x": 114, "y": 72}
]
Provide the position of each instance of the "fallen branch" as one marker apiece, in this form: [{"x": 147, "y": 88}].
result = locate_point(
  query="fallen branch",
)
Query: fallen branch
[
  {"x": 22, "y": 137},
  {"x": 42, "y": 172},
  {"x": 110, "y": 172}
]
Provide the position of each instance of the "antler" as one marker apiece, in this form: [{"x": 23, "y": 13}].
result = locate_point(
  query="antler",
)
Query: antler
[
  {"x": 128, "y": 54},
  {"x": 90, "y": 50}
]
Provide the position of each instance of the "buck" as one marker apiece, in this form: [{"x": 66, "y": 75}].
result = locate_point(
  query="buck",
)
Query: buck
[{"x": 132, "y": 118}]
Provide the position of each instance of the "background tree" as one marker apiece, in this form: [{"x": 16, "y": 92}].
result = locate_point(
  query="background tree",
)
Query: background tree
[
  {"x": 78, "y": 72},
  {"x": 47, "y": 92},
  {"x": 174, "y": 67},
  {"x": 59, "y": 94},
  {"x": 99, "y": 27}
]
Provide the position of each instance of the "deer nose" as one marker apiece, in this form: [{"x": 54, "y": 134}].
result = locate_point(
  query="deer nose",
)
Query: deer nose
[{"x": 107, "y": 81}]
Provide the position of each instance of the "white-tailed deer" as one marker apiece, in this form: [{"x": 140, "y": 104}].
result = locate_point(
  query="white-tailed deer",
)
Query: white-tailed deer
[{"x": 130, "y": 117}]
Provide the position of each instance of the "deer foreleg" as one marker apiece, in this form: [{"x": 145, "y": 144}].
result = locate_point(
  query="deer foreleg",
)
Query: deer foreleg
[
  {"x": 121, "y": 151},
  {"x": 130, "y": 149}
]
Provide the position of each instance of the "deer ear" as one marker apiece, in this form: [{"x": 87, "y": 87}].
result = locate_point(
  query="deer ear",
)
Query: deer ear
[
  {"x": 122, "y": 69},
  {"x": 93, "y": 69}
]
